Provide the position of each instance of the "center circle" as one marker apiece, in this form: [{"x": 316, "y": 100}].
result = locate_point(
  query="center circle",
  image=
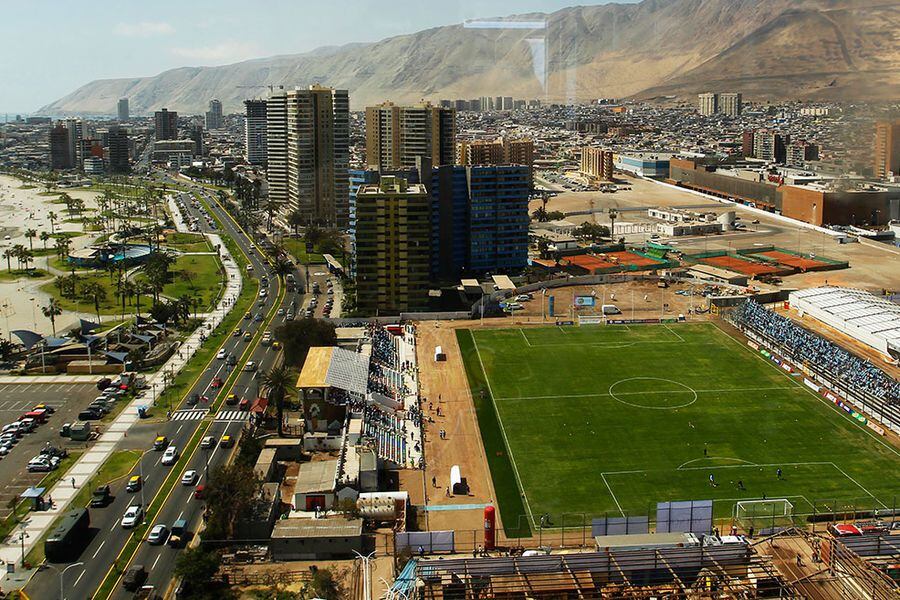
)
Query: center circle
[{"x": 655, "y": 393}]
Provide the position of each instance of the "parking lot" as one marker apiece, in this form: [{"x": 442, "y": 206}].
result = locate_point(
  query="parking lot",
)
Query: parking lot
[{"x": 67, "y": 399}]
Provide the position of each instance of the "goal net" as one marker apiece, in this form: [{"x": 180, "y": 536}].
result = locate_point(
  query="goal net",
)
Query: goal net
[{"x": 772, "y": 512}]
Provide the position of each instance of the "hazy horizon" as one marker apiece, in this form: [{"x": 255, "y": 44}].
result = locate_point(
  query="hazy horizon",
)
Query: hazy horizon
[{"x": 115, "y": 40}]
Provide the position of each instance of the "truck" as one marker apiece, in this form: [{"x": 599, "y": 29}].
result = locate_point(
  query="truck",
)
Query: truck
[
  {"x": 79, "y": 431},
  {"x": 69, "y": 538},
  {"x": 179, "y": 534}
]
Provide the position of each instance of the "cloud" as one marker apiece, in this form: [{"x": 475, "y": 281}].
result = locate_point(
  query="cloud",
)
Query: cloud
[
  {"x": 225, "y": 52},
  {"x": 143, "y": 29}
]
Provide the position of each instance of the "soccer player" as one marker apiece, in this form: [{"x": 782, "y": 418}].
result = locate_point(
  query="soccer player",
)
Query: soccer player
[{"x": 778, "y": 473}]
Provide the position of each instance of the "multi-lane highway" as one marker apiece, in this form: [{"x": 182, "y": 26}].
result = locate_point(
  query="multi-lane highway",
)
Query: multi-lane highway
[{"x": 108, "y": 537}]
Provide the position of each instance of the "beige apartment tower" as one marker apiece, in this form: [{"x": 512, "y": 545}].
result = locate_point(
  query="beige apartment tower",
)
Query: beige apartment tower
[
  {"x": 397, "y": 135},
  {"x": 597, "y": 164},
  {"x": 308, "y": 138}
]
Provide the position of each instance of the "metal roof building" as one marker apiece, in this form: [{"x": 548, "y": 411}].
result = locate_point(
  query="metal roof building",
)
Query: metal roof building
[{"x": 873, "y": 320}]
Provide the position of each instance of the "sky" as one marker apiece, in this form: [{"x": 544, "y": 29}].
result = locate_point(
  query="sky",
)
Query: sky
[{"x": 49, "y": 48}]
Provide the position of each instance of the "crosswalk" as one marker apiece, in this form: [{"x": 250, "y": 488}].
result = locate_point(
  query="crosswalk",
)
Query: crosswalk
[{"x": 196, "y": 414}]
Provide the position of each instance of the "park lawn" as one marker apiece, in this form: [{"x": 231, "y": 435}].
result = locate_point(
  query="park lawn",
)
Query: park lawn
[
  {"x": 17, "y": 274},
  {"x": 188, "y": 242},
  {"x": 610, "y": 420},
  {"x": 196, "y": 274},
  {"x": 296, "y": 247},
  {"x": 110, "y": 305}
]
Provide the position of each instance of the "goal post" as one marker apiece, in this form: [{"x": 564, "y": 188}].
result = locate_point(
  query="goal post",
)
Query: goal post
[{"x": 771, "y": 512}]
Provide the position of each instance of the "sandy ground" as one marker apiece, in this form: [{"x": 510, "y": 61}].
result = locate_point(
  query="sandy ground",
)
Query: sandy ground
[
  {"x": 872, "y": 267},
  {"x": 22, "y": 209},
  {"x": 444, "y": 386}
]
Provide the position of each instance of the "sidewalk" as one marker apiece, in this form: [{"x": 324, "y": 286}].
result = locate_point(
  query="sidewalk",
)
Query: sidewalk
[{"x": 37, "y": 523}]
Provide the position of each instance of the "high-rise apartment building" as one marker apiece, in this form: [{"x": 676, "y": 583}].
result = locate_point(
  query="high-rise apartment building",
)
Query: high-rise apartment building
[
  {"x": 397, "y": 135},
  {"x": 76, "y": 134},
  {"x": 255, "y": 131},
  {"x": 214, "y": 117},
  {"x": 117, "y": 142},
  {"x": 479, "y": 152},
  {"x": 498, "y": 103},
  {"x": 507, "y": 103},
  {"x": 123, "y": 109},
  {"x": 487, "y": 103},
  {"x": 393, "y": 246},
  {"x": 799, "y": 153},
  {"x": 597, "y": 164},
  {"x": 708, "y": 104},
  {"x": 196, "y": 135},
  {"x": 479, "y": 219},
  {"x": 731, "y": 104},
  {"x": 770, "y": 145},
  {"x": 309, "y": 130},
  {"x": 60, "y": 155},
  {"x": 276, "y": 148},
  {"x": 166, "y": 122},
  {"x": 747, "y": 143},
  {"x": 887, "y": 149}
]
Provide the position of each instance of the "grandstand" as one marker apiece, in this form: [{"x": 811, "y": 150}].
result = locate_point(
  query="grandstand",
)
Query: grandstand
[
  {"x": 375, "y": 384},
  {"x": 865, "y": 317},
  {"x": 856, "y": 379}
]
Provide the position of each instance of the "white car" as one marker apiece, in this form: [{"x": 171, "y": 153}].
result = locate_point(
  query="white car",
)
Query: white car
[
  {"x": 170, "y": 456},
  {"x": 250, "y": 366},
  {"x": 133, "y": 516},
  {"x": 158, "y": 535},
  {"x": 222, "y": 354},
  {"x": 189, "y": 478}
]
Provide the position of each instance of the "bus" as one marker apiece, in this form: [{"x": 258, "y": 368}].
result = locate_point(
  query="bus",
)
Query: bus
[{"x": 69, "y": 538}]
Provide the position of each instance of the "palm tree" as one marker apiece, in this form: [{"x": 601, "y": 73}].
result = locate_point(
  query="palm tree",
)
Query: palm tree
[
  {"x": 141, "y": 288},
  {"x": 92, "y": 291},
  {"x": 295, "y": 220},
  {"x": 44, "y": 237},
  {"x": 8, "y": 254},
  {"x": 52, "y": 217},
  {"x": 51, "y": 311},
  {"x": 62, "y": 247},
  {"x": 31, "y": 234},
  {"x": 126, "y": 290},
  {"x": 277, "y": 381}
]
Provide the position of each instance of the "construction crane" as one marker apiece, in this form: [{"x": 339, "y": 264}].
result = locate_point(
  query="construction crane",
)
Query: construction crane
[{"x": 255, "y": 87}]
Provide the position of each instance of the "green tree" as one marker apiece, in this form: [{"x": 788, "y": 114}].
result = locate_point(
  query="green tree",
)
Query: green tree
[
  {"x": 276, "y": 382},
  {"x": 51, "y": 311},
  {"x": 52, "y": 216},
  {"x": 31, "y": 234},
  {"x": 231, "y": 491},
  {"x": 8, "y": 348},
  {"x": 323, "y": 584},
  {"x": 44, "y": 237},
  {"x": 591, "y": 231},
  {"x": 8, "y": 254},
  {"x": 93, "y": 291},
  {"x": 299, "y": 336},
  {"x": 197, "y": 566},
  {"x": 62, "y": 247}
]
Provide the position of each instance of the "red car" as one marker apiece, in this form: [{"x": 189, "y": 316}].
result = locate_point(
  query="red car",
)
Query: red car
[
  {"x": 244, "y": 404},
  {"x": 216, "y": 382},
  {"x": 200, "y": 492}
]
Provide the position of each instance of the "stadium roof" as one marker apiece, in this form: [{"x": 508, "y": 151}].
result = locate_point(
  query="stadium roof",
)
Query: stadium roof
[
  {"x": 335, "y": 367},
  {"x": 871, "y": 319}
]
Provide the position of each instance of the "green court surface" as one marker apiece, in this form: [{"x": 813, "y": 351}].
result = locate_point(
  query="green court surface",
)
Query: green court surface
[{"x": 609, "y": 420}]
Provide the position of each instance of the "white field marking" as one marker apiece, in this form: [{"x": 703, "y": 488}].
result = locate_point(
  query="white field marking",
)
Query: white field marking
[
  {"x": 560, "y": 327},
  {"x": 527, "y": 341},
  {"x": 859, "y": 486},
  {"x": 601, "y": 395},
  {"x": 503, "y": 432},
  {"x": 830, "y": 405},
  {"x": 624, "y": 344},
  {"x": 746, "y": 462},
  {"x": 748, "y": 466},
  {"x": 611, "y": 493},
  {"x": 666, "y": 325}
]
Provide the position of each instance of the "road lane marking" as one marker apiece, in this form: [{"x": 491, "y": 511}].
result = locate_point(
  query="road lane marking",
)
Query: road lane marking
[{"x": 100, "y": 547}]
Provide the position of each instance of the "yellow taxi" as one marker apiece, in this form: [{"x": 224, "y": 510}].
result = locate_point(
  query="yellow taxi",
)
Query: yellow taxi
[
  {"x": 226, "y": 442},
  {"x": 276, "y": 346},
  {"x": 231, "y": 399},
  {"x": 160, "y": 442},
  {"x": 134, "y": 484}
]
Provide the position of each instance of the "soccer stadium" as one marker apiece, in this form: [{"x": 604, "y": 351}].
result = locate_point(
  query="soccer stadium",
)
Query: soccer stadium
[{"x": 587, "y": 422}]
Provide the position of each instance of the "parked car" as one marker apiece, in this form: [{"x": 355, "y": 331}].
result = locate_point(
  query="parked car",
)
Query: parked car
[
  {"x": 40, "y": 464},
  {"x": 133, "y": 516},
  {"x": 89, "y": 414},
  {"x": 104, "y": 383}
]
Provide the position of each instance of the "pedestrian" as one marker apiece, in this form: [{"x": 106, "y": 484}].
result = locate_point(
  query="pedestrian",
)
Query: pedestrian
[
  {"x": 734, "y": 530},
  {"x": 740, "y": 484},
  {"x": 750, "y": 531},
  {"x": 448, "y": 491},
  {"x": 799, "y": 561},
  {"x": 73, "y": 483},
  {"x": 421, "y": 551},
  {"x": 705, "y": 451},
  {"x": 434, "y": 482}
]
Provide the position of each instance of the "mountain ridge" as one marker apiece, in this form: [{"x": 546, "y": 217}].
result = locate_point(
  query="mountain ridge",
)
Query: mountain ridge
[{"x": 767, "y": 49}]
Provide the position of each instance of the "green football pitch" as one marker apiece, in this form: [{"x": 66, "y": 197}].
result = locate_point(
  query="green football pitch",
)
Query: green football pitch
[{"x": 608, "y": 420}]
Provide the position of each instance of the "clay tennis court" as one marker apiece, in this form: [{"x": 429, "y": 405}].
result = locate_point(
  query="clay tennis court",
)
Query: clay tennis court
[
  {"x": 741, "y": 266},
  {"x": 792, "y": 260},
  {"x": 611, "y": 261}
]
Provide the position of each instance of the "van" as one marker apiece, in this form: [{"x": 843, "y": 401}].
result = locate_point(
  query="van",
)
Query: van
[{"x": 611, "y": 309}]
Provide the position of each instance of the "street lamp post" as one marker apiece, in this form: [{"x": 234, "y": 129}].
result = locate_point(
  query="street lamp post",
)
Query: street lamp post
[
  {"x": 22, "y": 535},
  {"x": 62, "y": 574}
]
